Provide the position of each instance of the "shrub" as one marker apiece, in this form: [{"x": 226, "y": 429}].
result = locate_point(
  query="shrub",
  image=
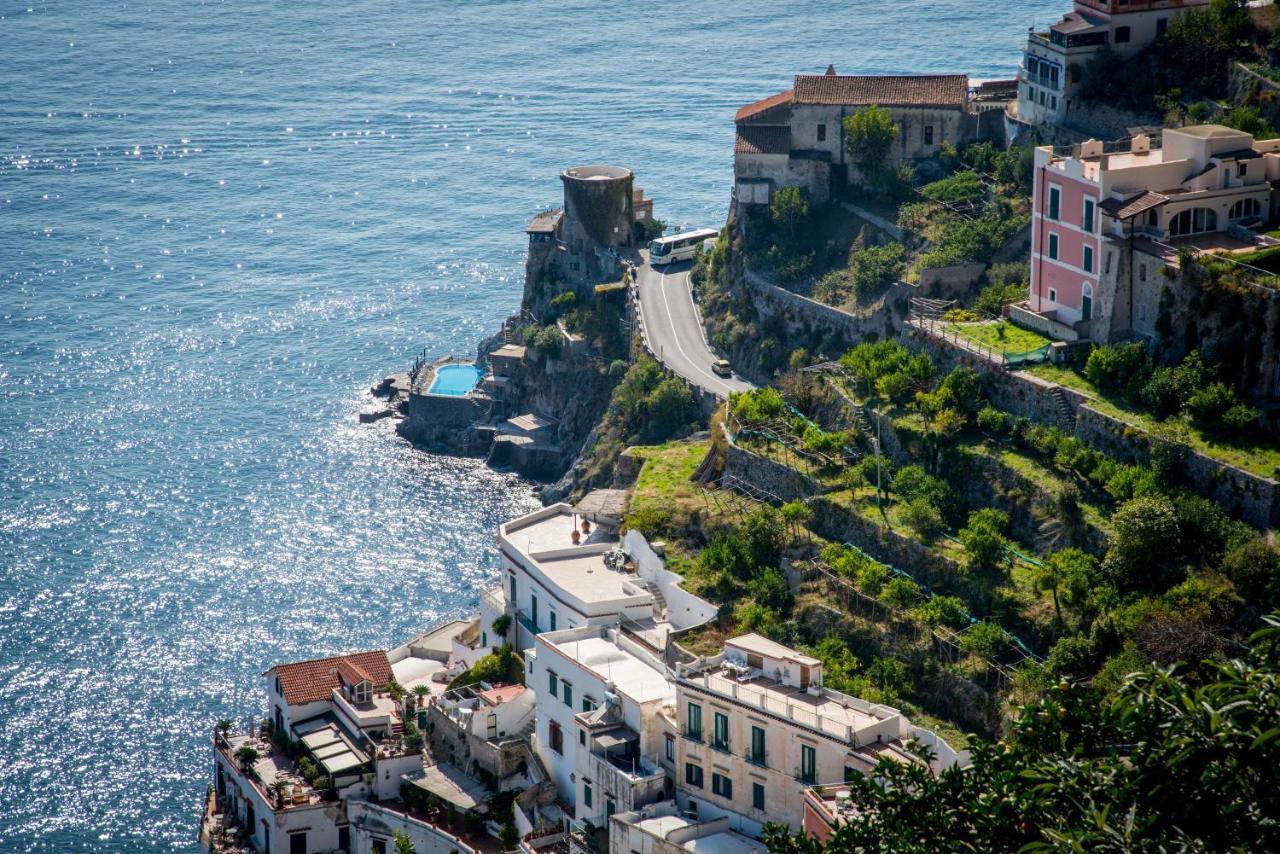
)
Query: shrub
[
  {"x": 922, "y": 517},
  {"x": 984, "y": 639},
  {"x": 958, "y": 188},
  {"x": 546, "y": 340},
  {"x": 868, "y": 137},
  {"x": 992, "y": 420},
  {"x": 913, "y": 482},
  {"x": 1071, "y": 657},
  {"x": 1144, "y": 549},
  {"x": 871, "y": 577},
  {"x": 762, "y": 404},
  {"x": 983, "y": 537},
  {"x": 994, "y": 298},
  {"x": 1162, "y": 394},
  {"x": 875, "y": 268},
  {"x": 946, "y": 611},
  {"x": 1119, "y": 368},
  {"x": 900, "y": 592},
  {"x": 1254, "y": 568}
]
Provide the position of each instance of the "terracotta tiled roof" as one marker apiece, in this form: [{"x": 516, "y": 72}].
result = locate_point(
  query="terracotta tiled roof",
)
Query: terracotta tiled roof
[
  {"x": 764, "y": 105},
  {"x": 762, "y": 139},
  {"x": 1133, "y": 205},
  {"x": 309, "y": 681},
  {"x": 908, "y": 91}
]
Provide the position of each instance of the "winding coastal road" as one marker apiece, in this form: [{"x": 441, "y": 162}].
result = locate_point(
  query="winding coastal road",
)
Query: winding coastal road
[{"x": 674, "y": 329}]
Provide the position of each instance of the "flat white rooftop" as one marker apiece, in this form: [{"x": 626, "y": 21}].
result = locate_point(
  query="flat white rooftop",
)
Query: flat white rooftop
[
  {"x": 543, "y": 531},
  {"x": 761, "y": 645},
  {"x": 828, "y": 711},
  {"x": 727, "y": 842},
  {"x": 630, "y": 675}
]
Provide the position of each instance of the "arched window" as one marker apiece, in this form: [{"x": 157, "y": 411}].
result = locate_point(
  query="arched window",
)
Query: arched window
[
  {"x": 1194, "y": 221},
  {"x": 1086, "y": 302},
  {"x": 1245, "y": 209}
]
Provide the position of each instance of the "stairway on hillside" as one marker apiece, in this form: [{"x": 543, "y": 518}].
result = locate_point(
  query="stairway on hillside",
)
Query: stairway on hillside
[{"x": 1066, "y": 415}]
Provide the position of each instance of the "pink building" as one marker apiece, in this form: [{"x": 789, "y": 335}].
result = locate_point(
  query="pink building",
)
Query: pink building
[{"x": 1103, "y": 218}]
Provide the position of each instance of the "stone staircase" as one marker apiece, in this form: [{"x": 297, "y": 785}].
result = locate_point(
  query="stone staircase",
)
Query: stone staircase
[
  {"x": 659, "y": 601},
  {"x": 861, "y": 421},
  {"x": 1062, "y": 407},
  {"x": 508, "y": 334}
]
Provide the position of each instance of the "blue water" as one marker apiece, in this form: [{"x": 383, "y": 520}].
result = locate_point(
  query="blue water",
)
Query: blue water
[
  {"x": 219, "y": 223},
  {"x": 455, "y": 380}
]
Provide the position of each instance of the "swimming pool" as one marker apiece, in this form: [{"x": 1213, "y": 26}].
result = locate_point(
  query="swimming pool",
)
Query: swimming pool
[{"x": 455, "y": 380}]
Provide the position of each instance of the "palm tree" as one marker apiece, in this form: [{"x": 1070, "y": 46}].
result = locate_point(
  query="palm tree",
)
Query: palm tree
[
  {"x": 246, "y": 756},
  {"x": 421, "y": 692},
  {"x": 224, "y": 726},
  {"x": 280, "y": 788}
]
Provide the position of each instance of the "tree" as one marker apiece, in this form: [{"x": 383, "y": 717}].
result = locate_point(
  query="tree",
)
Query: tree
[
  {"x": 983, "y": 537},
  {"x": 247, "y": 755},
  {"x": 900, "y": 592},
  {"x": 1144, "y": 551},
  {"x": 1060, "y": 569},
  {"x": 770, "y": 589},
  {"x": 509, "y": 836},
  {"x": 501, "y": 625},
  {"x": 404, "y": 845},
  {"x": 868, "y": 137},
  {"x": 1167, "y": 763},
  {"x": 789, "y": 211}
]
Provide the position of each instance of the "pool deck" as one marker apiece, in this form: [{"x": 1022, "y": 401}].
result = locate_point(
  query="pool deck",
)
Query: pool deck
[{"x": 425, "y": 379}]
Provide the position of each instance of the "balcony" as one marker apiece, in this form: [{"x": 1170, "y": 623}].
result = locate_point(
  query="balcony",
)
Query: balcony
[
  {"x": 529, "y": 625},
  {"x": 276, "y": 778}
]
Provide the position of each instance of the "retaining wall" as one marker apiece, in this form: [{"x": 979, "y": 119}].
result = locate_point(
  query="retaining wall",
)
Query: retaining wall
[
  {"x": 783, "y": 481},
  {"x": 840, "y": 524}
]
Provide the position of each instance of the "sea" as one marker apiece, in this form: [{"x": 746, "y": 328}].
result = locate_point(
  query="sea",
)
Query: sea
[{"x": 220, "y": 223}]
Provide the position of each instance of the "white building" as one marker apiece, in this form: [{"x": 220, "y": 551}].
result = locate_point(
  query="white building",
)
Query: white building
[
  {"x": 661, "y": 829},
  {"x": 599, "y": 718},
  {"x": 562, "y": 570},
  {"x": 1054, "y": 60},
  {"x": 757, "y": 728}
]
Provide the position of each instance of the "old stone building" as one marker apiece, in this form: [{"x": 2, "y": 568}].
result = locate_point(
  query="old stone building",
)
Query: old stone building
[{"x": 796, "y": 138}]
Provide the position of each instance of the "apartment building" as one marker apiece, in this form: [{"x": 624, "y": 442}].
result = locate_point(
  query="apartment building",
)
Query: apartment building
[
  {"x": 599, "y": 718},
  {"x": 1054, "y": 60},
  {"x": 1106, "y": 218},
  {"x": 757, "y": 728}
]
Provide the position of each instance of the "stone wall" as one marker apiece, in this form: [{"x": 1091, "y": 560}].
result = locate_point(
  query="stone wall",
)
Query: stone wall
[
  {"x": 842, "y": 525},
  {"x": 782, "y": 481},
  {"x": 952, "y": 281},
  {"x": 436, "y": 419}
]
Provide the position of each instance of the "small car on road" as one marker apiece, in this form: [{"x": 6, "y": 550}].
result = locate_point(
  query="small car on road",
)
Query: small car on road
[{"x": 721, "y": 368}]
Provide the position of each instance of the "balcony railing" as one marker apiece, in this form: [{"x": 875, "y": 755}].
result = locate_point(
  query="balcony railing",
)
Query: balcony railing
[{"x": 529, "y": 624}]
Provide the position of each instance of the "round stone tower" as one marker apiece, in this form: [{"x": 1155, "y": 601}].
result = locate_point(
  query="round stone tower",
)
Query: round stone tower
[{"x": 598, "y": 211}]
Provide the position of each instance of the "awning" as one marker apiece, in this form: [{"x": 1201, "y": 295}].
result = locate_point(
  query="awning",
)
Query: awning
[
  {"x": 616, "y": 738},
  {"x": 452, "y": 785}
]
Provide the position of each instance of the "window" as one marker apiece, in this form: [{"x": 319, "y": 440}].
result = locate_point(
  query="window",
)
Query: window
[
  {"x": 582, "y": 737},
  {"x": 1053, "y": 247},
  {"x": 361, "y": 691},
  {"x": 557, "y": 737},
  {"x": 1086, "y": 302},
  {"x": 1053, "y": 102},
  {"x": 553, "y": 684},
  {"x": 378, "y": 846},
  {"x": 756, "y": 661},
  {"x": 1106, "y": 263},
  {"x": 553, "y": 621},
  {"x": 720, "y": 735},
  {"x": 588, "y": 704},
  {"x": 808, "y": 764},
  {"x": 722, "y": 786},
  {"x": 1242, "y": 170},
  {"x": 533, "y": 611},
  {"x": 1087, "y": 261},
  {"x": 757, "y": 746},
  {"x": 1245, "y": 209},
  {"x": 513, "y": 591},
  {"x": 694, "y": 727},
  {"x": 671, "y": 749},
  {"x": 298, "y": 842},
  {"x": 1055, "y": 202},
  {"x": 757, "y": 795},
  {"x": 484, "y": 638},
  {"x": 344, "y": 838},
  {"x": 849, "y": 773},
  {"x": 1162, "y": 24},
  {"x": 586, "y": 795},
  {"x": 1122, "y": 35},
  {"x": 1053, "y": 295},
  {"x": 1088, "y": 218},
  {"x": 928, "y": 134},
  {"x": 693, "y": 775},
  {"x": 1142, "y": 272},
  {"x": 822, "y": 133},
  {"x": 609, "y": 807},
  {"x": 1194, "y": 221},
  {"x": 568, "y": 694}
]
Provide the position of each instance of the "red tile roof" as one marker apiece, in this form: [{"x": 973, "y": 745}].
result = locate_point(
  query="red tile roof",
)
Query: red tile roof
[
  {"x": 764, "y": 105},
  {"x": 926, "y": 90},
  {"x": 310, "y": 681},
  {"x": 762, "y": 139}
]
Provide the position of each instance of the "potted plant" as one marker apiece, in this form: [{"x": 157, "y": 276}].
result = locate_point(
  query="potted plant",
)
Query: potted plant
[
  {"x": 422, "y": 692},
  {"x": 246, "y": 756}
]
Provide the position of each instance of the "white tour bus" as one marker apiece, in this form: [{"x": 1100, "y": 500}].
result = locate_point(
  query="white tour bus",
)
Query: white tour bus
[{"x": 678, "y": 247}]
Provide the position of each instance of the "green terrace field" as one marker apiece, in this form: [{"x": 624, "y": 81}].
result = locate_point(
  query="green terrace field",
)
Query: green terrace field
[
  {"x": 1261, "y": 458},
  {"x": 1000, "y": 336}
]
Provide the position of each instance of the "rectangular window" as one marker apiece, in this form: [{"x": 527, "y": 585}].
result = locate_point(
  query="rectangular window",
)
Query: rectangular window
[
  {"x": 1088, "y": 259},
  {"x": 1142, "y": 272},
  {"x": 757, "y": 795},
  {"x": 568, "y": 694},
  {"x": 694, "y": 727},
  {"x": 1053, "y": 247},
  {"x": 588, "y": 704},
  {"x": 671, "y": 749},
  {"x": 757, "y": 746},
  {"x": 849, "y": 773},
  {"x": 721, "y": 785},
  {"x": 513, "y": 591},
  {"x": 1053, "y": 102},
  {"x": 586, "y": 795},
  {"x": 582, "y": 737},
  {"x": 1088, "y": 217},
  {"x": 808, "y": 764},
  {"x": 556, "y": 737},
  {"x": 378, "y": 846},
  {"x": 1162, "y": 24},
  {"x": 1053, "y": 295},
  {"x": 1055, "y": 202},
  {"x": 553, "y": 621},
  {"x": 822, "y": 133},
  {"x": 928, "y": 134},
  {"x": 693, "y": 775},
  {"x": 533, "y": 612},
  {"x": 553, "y": 684},
  {"x": 1242, "y": 170},
  {"x": 720, "y": 735}
]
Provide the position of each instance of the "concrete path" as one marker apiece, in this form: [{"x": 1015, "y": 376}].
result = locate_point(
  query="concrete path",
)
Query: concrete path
[{"x": 674, "y": 329}]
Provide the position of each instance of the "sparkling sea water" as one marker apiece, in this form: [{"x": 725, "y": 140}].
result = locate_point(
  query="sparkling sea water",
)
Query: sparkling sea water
[{"x": 220, "y": 222}]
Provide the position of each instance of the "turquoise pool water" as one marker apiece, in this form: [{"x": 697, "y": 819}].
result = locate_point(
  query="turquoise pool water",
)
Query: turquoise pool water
[{"x": 455, "y": 380}]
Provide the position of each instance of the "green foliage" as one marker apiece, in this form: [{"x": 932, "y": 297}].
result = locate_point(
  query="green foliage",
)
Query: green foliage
[
  {"x": 650, "y": 405},
  {"x": 770, "y": 589},
  {"x": 983, "y": 537},
  {"x": 494, "y": 667},
  {"x": 994, "y": 298},
  {"x": 900, "y": 592},
  {"x": 1119, "y": 368},
  {"x": 870, "y": 272},
  {"x": 1072, "y": 657},
  {"x": 501, "y": 625},
  {"x": 757, "y": 405},
  {"x": 1216, "y": 409},
  {"x": 565, "y": 302},
  {"x": 789, "y": 211},
  {"x": 650, "y": 229},
  {"x": 746, "y": 551},
  {"x": 1144, "y": 550},
  {"x": 1250, "y": 120},
  {"x": 404, "y": 845},
  {"x": 546, "y": 340},
  {"x": 993, "y": 421},
  {"x": 958, "y": 188},
  {"x": 957, "y": 240},
  {"x": 887, "y": 368},
  {"x": 869, "y": 134},
  {"x": 923, "y": 517},
  {"x": 947, "y": 611},
  {"x": 1254, "y": 568},
  {"x": 985, "y": 639},
  {"x": 912, "y": 483}
]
